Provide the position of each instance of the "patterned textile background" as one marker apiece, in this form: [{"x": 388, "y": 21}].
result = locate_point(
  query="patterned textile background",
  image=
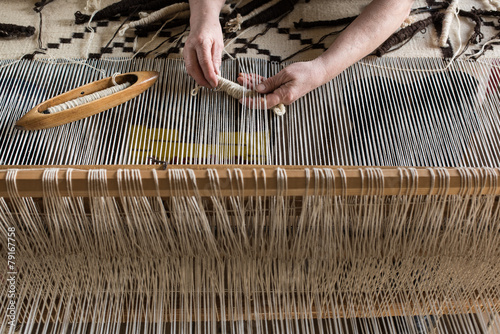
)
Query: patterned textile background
[{"x": 276, "y": 40}]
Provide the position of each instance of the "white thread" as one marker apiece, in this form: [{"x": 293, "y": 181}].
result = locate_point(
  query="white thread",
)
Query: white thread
[
  {"x": 234, "y": 25},
  {"x": 154, "y": 37},
  {"x": 279, "y": 110},
  {"x": 56, "y": 61},
  {"x": 134, "y": 46},
  {"x": 233, "y": 89},
  {"x": 235, "y": 38},
  {"x": 92, "y": 34},
  {"x": 113, "y": 78},
  {"x": 88, "y": 98},
  {"x": 448, "y": 18},
  {"x": 195, "y": 90},
  {"x": 155, "y": 16},
  {"x": 408, "y": 21},
  {"x": 480, "y": 52},
  {"x": 239, "y": 92},
  {"x": 459, "y": 38}
]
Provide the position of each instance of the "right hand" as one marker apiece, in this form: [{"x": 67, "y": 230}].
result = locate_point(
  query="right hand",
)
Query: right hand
[{"x": 203, "y": 51}]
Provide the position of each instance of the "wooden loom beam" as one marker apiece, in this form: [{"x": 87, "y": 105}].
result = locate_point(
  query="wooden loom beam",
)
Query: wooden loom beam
[{"x": 260, "y": 180}]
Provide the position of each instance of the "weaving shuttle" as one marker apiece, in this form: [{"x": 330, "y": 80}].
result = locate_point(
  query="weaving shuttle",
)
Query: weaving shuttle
[{"x": 38, "y": 118}]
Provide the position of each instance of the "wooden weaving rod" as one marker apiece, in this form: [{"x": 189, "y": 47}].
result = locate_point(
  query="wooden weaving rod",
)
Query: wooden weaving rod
[{"x": 262, "y": 180}]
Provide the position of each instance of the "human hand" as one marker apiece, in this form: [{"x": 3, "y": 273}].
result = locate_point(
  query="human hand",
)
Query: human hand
[
  {"x": 287, "y": 86},
  {"x": 203, "y": 51}
]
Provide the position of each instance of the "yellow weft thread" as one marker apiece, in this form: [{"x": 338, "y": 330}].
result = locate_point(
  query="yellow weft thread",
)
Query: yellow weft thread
[{"x": 168, "y": 145}]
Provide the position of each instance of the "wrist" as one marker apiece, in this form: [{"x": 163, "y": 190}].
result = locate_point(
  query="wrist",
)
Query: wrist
[
  {"x": 324, "y": 71},
  {"x": 204, "y": 22},
  {"x": 204, "y": 14}
]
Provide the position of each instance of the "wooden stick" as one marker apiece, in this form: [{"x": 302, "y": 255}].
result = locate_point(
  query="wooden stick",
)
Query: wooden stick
[
  {"x": 35, "y": 119},
  {"x": 254, "y": 177}
]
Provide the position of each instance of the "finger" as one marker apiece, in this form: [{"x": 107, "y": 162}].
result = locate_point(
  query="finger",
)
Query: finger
[
  {"x": 245, "y": 82},
  {"x": 272, "y": 100},
  {"x": 283, "y": 94},
  {"x": 217, "y": 57},
  {"x": 250, "y": 80},
  {"x": 193, "y": 68},
  {"x": 204, "y": 55},
  {"x": 271, "y": 84}
]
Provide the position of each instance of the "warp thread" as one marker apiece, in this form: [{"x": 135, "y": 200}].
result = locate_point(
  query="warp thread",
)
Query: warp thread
[{"x": 15, "y": 31}]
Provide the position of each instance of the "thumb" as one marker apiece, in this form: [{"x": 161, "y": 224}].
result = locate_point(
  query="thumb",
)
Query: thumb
[{"x": 269, "y": 85}]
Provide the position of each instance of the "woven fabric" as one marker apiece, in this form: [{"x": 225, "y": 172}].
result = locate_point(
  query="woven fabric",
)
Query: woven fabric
[{"x": 275, "y": 41}]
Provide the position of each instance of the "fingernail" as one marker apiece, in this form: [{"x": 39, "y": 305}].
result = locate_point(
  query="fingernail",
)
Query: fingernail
[{"x": 261, "y": 88}]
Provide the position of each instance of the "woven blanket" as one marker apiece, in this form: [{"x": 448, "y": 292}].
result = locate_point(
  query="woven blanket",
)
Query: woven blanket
[{"x": 276, "y": 40}]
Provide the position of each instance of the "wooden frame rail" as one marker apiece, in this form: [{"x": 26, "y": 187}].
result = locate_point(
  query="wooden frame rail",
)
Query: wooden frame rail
[{"x": 258, "y": 180}]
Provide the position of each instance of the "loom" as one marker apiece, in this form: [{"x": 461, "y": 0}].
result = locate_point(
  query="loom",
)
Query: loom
[{"x": 370, "y": 206}]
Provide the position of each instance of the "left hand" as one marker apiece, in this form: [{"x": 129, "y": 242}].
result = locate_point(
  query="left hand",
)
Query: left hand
[{"x": 287, "y": 86}]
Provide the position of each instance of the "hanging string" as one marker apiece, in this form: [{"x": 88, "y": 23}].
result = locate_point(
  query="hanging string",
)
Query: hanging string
[
  {"x": 92, "y": 34},
  {"x": 155, "y": 35},
  {"x": 39, "y": 6},
  {"x": 483, "y": 48}
]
